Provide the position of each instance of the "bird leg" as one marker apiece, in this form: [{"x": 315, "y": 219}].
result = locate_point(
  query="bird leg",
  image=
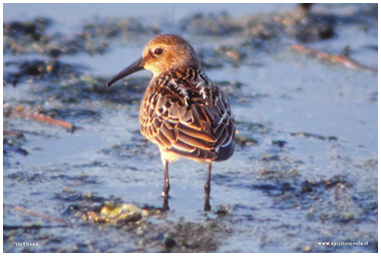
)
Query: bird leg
[
  {"x": 207, "y": 188},
  {"x": 165, "y": 204},
  {"x": 166, "y": 180},
  {"x": 207, "y": 206},
  {"x": 207, "y": 184}
]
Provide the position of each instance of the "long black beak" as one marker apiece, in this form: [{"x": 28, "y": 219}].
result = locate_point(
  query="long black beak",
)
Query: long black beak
[{"x": 134, "y": 67}]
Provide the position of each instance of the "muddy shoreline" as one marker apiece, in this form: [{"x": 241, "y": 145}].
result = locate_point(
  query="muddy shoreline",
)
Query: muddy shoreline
[{"x": 302, "y": 84}]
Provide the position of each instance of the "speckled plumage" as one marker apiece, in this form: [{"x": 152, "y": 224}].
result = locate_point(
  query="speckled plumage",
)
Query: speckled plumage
[
  {"x": 186, "y": 114},
  {"x": 182, "y": 111}
]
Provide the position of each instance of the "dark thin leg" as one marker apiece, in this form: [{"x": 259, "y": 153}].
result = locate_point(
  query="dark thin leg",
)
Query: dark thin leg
[
  {"x": 207, "y": 206},
  {"x": 207, "y": 189},
  {"x": 166, "y": 180},
  {"x": 165, "y": 204},
  {"x": 207, "y": 184}
]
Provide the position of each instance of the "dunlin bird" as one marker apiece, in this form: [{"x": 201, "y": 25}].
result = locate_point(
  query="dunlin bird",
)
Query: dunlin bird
[{"x": 182, "y": 111}]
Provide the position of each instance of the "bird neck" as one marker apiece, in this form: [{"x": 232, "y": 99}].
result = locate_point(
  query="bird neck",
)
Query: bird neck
[{"x": 185, "y": 74}]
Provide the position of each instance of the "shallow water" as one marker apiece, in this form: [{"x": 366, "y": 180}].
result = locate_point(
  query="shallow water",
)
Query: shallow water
[{"x": 313, "y": 123}]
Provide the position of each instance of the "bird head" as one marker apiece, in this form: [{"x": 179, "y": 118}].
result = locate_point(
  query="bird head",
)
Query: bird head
[{"x": 163, "y": 53}]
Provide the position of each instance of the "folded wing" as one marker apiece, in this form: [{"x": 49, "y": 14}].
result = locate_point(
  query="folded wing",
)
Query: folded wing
[{"x": 188, "y": 123}]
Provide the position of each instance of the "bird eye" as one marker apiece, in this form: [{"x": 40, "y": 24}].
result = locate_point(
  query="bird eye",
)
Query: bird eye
[{"x": 158, "y": 51}]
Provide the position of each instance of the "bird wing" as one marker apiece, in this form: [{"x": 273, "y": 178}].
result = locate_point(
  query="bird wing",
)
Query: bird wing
[{"x": 188, "y": 123}]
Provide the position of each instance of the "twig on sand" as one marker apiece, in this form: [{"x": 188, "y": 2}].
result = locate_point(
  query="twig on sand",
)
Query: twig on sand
[
  {"x": 37, "y": 214},
  {"x": 335, "y": 58},
  {"x": 35, "y": 115}
]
